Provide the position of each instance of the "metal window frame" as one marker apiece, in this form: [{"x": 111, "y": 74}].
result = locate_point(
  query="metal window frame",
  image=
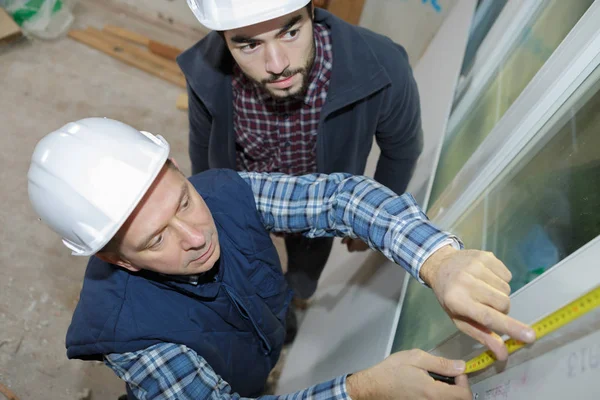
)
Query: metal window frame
[
  {"x": 493, "y": 51},
  {"x": 568, "y": 67},
  {"x": 565, "y": 70}
]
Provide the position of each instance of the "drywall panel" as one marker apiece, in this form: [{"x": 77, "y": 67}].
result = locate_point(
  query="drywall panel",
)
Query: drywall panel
[
  {"x": 411, "y": 23},
  {"x": 436, "y": 74}
]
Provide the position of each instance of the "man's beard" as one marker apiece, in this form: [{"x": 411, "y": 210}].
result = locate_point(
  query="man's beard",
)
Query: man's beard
[{"x": 304, "y": 72}]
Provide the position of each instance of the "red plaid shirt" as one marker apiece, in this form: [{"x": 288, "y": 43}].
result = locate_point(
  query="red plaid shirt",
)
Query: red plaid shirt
[{"x": 281, "y": 136}]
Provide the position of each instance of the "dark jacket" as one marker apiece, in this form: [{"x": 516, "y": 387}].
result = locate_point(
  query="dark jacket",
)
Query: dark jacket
[
  {"x": 372, "y": 92},
  {"x": 234, "y": 318}
]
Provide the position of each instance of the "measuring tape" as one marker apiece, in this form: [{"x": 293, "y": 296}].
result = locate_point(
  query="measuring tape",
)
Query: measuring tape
[{"x": 552, "y": 322}]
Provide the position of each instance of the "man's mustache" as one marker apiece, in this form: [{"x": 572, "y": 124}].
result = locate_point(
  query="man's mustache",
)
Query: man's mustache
[{"x": 285, "y": 74}]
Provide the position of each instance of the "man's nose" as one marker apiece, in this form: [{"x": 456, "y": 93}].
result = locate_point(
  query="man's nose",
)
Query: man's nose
[
  {"x": 191, "y": 237},
  {"x": 276, "y": 60}
]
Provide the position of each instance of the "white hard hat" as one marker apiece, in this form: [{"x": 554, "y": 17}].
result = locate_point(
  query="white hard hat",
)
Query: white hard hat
[
  {"x": 222, "y": 15},
  {"x": 87, "y": 177}
]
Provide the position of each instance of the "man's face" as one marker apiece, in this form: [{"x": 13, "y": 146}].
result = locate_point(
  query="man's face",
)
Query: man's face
[
  {"x": 277, "y": 54},
  {"x": 171, "y": 230}
]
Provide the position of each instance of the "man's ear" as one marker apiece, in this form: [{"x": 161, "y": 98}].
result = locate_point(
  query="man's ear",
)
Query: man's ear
[{"x": 115, "y": 259}]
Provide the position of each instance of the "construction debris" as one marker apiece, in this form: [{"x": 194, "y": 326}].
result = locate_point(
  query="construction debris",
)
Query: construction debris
[
  {"x": 151, "y": 56},
  {"x": 8, "y": 393},
  {"x": 9, "y": 30}
]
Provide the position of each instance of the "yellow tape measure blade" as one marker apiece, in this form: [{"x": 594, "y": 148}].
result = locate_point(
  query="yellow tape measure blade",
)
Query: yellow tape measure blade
[{"x": 543, "y": 327}]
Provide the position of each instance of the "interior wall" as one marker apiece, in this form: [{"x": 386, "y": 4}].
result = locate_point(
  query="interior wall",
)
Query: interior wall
[
  {"x": 411, "y": 23},
  {"x": 436, "y": 74}
]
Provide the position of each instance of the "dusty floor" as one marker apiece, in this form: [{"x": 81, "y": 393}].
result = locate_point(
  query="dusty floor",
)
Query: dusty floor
[{"x": 43, "y": 85}]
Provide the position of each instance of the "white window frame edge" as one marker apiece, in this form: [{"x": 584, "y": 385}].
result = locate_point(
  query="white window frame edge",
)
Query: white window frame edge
[
  {"x": 494, "y": 49},
  {"x": 567, "y": 282},
  {"x": 515, "y": 15},
  {"x": 579, "y": 69},
  {"x": 567, "y": 68},
  {"x": 396, "y": 320}
]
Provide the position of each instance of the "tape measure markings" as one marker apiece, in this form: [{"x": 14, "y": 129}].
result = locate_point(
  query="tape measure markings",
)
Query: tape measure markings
[{"x": 549, "y": 324}]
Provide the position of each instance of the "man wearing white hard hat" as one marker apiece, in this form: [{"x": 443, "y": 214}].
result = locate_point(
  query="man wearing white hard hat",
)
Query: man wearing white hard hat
[
  {"x": 280, "y": 87},
  {"x": 184, "y": 296}
]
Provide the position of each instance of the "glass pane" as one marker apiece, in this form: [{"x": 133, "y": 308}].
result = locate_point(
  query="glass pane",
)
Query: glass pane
[
  {"x": 550, "y": 206},
  {"x": 485, "y": 15},
  {"x": 544, "y": 209},
  {"x": 538, "y": 41}
]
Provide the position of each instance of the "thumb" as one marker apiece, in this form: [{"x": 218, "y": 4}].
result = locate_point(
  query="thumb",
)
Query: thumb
[{"x": 439, "y": 365}]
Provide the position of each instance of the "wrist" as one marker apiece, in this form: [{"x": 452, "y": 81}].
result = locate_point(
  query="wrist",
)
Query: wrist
[
  {"x": 356, "y": 387},
  {"x": 431, "y": 266}
]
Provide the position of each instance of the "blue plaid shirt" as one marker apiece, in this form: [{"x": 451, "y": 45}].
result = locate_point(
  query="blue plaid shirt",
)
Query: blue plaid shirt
[{"x": 317, "y": 205}]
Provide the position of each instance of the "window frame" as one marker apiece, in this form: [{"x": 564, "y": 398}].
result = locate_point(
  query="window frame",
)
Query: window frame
[{"x": 563, "y": 73}]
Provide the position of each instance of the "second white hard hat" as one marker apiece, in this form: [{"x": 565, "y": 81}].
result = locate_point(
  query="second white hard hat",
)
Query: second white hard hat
[
  {"x": 87, "y": 177},
  {"x": 222, "y": 15}
]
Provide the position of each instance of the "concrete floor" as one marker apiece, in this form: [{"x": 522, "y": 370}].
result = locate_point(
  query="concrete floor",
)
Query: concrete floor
[{"x": 43, "y": 85}]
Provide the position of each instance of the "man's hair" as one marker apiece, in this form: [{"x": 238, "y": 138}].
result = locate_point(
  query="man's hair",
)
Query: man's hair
[{"x": 114, "y": 243}]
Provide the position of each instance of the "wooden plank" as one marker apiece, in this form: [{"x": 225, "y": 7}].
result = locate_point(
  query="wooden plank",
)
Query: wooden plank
[
  {"x": 127, "y": 34},
  {"x": 321, "y": 3},
  {"x": 160, "y": 49},
  {"x": 127, "y": 57},
  {"x": 9, "y": 30},
  {"x": 182, "y": 102},
  {"x": 348, "y": 10},
  {"x": 164, "y": 50},
  {"x": 133, "y": 49}
]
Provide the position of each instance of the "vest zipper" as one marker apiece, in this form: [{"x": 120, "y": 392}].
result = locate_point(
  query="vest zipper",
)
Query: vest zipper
[{"x": 239, "y": 305}]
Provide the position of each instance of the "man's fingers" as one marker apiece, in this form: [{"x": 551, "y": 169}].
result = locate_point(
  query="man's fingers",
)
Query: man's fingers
[
  {"x": 484, "y": 336},
  {"x": 490, "y": 296},
  {"x": 488, "y": 276},
  {"x": 503, "y": 324},
  {"x": 462, "y": 381},
  {"x": 460, "y": 391},
  {"x": 431, "y": 363},
  {"x": 489, "y": 260},
  {"x": 499, "y": 323}
]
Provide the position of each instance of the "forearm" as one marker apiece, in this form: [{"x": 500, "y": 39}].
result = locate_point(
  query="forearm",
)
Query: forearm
[
  {"x": 167, "y": 371},
  {"x": 346, "y": 205}
]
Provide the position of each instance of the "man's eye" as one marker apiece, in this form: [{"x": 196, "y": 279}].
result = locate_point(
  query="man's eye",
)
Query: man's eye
[
  {"x": 291, "y": 34},
  {"x": 157, "y": 243},
  {"x": 249, "y": 47}
]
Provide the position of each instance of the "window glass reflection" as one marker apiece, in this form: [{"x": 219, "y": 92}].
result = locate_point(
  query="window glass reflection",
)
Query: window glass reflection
[{"x": 538, "y": 41}]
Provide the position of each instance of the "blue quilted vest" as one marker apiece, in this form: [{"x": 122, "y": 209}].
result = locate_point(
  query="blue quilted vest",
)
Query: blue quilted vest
[{"x": 234, "y": 317}]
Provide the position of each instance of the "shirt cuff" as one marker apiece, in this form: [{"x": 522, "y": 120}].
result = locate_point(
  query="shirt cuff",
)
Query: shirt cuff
[
  {"x": 451, "y": 240},
  {"x": 340, "y": 383}
]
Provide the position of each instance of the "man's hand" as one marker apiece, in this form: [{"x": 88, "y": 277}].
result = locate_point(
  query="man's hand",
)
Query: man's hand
[
  {"x": 472, "y": 286},
  {"x": 354, "y": 244},
  {"x": 404, "y": 375}
]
